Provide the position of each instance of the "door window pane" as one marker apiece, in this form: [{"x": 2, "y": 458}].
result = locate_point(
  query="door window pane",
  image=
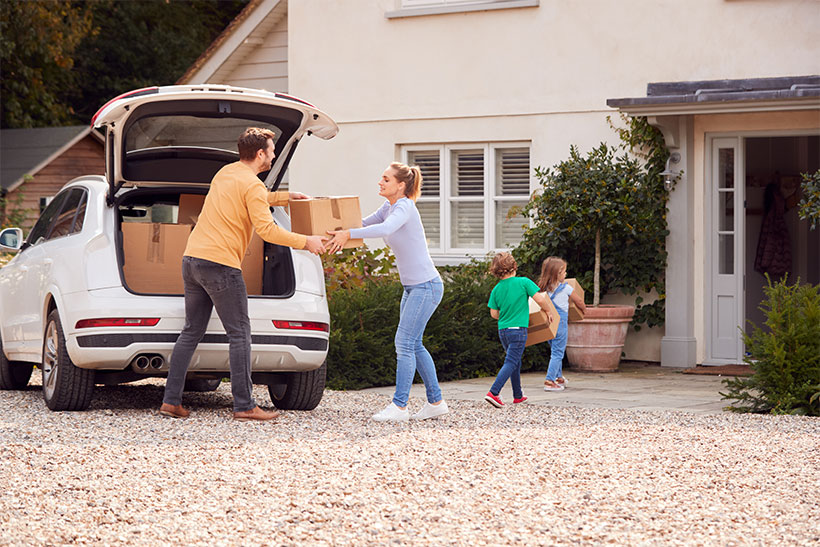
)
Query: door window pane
[
  {"x": 726, "y": 168},
  {"x": 726, "y": 254},
  {"x": 65, "y": 220},
  {"x": 430, "y": 213},
  {"x": 41, "y": 227},
  {"x": 467, "y": 225},
  {"x": 726, "y": 211}
]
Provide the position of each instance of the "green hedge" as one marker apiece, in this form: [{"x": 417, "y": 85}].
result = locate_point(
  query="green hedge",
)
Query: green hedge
[{"x": 461, "y": 336}]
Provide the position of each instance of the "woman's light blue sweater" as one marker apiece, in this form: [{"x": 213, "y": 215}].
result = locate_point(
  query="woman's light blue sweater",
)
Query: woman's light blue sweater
[{"x": 400, "y": 226}]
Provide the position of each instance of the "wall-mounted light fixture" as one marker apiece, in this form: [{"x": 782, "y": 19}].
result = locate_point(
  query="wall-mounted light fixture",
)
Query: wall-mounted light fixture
[{"x": 669, "y": 175}]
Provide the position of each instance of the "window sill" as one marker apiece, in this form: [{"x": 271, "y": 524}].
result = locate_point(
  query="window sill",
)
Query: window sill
[{"x": 462, "y": 8}]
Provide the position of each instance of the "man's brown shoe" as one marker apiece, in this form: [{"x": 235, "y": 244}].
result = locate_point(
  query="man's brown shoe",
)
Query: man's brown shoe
[
  {"x": 174, "y": 411},
  {"x": 255, "y": 414}
]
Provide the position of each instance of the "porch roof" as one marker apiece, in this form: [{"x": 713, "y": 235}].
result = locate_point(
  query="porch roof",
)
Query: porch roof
[{"x": 723, "y": 96}]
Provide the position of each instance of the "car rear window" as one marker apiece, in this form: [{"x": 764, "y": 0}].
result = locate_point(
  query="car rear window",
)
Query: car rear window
[{"x": 190, "y": 131}]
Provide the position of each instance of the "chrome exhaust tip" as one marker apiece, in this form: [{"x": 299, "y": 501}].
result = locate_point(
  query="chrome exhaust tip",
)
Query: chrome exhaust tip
[
  {"x": 142, "y": 362},
  {"x": 156, "y": 362}
]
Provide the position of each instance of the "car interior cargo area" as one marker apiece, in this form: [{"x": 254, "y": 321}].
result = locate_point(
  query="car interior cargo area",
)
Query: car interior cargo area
[{"x": 154, "y": 230}]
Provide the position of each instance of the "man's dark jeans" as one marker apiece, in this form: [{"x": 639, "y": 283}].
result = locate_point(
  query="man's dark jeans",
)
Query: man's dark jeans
[{"x": 210, "y": 285}]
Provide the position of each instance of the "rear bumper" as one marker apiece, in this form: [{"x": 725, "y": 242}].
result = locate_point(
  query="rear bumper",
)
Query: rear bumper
[{"x": 115, "y": 348}]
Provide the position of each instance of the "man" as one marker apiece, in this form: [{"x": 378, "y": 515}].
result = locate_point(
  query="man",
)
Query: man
[{"x": 237, "y": 204}]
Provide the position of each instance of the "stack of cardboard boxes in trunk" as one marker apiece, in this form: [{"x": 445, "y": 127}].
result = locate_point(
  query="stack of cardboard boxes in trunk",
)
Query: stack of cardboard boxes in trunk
[{"x": 152, "y": 251}]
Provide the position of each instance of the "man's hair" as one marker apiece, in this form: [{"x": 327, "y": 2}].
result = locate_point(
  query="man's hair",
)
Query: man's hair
[
  {"x": 503, "y": 264},
  {"x": 252, "y": 140}
]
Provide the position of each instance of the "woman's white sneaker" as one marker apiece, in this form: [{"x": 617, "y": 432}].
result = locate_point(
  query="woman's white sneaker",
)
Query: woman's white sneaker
[
  {"x": 431, "y": 411},
  {"x": 392, "y": 413}
]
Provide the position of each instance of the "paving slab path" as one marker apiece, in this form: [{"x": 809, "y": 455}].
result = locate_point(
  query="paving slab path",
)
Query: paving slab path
[{"x": 635, "y": 386}]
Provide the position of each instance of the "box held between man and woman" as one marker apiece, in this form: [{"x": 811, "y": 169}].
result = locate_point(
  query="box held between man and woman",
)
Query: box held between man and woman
[{"x": 315, "y": 216}]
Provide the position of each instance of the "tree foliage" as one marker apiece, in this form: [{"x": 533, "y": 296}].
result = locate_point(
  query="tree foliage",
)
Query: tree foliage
[
  {"x": 618, "y": 192},
  {"x": 141, "y": 44},
  {"x": 810, "y": 200},
  {"x": 62, "y": 60},
  {"x": 37, "y": 45}
]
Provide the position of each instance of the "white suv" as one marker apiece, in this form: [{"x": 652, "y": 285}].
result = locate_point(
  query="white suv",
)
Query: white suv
[{"x": 94, "y": 294}]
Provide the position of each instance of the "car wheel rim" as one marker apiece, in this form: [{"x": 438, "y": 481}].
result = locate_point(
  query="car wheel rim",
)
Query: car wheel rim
[{"x": 52, "y": 346}]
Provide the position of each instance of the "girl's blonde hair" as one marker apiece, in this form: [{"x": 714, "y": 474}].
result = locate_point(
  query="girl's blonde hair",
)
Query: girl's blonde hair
[
  {"x": 410, "y": 175},
  {"x": 550, "y": 269},
  {"x": 503, "y": 264}
]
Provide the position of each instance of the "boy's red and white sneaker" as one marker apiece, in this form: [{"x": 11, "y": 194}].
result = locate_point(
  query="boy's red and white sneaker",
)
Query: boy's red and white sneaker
[
  {"x": 520, "y": 399},
  {"x": 494, "y": 400}
]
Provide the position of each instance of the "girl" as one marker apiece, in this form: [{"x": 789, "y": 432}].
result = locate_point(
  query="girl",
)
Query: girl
[{"x": 553, "y": 274}]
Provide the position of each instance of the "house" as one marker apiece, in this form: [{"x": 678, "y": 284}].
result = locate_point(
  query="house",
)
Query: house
[
  {"x": 36, "y": 163},
  {"x": 479, "y": 92}
]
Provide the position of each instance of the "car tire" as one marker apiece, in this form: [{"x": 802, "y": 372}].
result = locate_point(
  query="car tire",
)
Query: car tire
[
  {"x": 13, "y": 374},
  {"x": 65, "y": 386},
  {"x": 202, "y": 384},
  {"x": 300, "y": 390}
]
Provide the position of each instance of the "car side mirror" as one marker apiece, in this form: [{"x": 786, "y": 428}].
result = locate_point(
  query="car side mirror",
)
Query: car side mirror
[{"x": 11, "y": 239}]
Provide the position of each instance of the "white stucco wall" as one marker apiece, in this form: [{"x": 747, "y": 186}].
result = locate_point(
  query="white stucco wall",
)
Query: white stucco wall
[
  {"x": 453, "y": 77},
  {"x": 539, "y": 74}
]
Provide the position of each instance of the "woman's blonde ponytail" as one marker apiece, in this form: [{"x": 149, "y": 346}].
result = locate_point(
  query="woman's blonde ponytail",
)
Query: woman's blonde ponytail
[{"x": 411, "y": 177}]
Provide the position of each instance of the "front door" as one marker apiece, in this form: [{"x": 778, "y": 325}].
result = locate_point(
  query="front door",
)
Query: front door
[{"x": 724, "y": 269}]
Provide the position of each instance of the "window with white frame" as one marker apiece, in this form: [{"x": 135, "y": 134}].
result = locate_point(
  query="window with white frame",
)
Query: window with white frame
[
  {"x": 467, "y": 193},
  {"x": 426, "y": 3}
]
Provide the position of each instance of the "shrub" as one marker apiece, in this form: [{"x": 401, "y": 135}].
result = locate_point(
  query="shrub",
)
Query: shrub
[
  {"x": 784, "y": 357},
  {"x": 461, "y": 336},
  {"x": 810, "y": 200}
]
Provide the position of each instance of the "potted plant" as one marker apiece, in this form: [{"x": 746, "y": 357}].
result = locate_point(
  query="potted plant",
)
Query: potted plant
[{"x": 605, "y": 215}]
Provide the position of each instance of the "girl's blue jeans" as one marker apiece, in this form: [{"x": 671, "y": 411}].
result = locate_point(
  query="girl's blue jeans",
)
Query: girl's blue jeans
[
  {"x": 418, "y": 302},
  {"x": 513, "y": 341},
  {"x": 558, "y": 346}
]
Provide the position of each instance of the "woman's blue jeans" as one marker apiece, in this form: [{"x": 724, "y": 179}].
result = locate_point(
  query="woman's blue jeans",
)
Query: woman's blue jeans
[
  {"x": 558, "y": 346},
  {"x": 513, "y": 340},
  {"x": 418, "y": 302}
]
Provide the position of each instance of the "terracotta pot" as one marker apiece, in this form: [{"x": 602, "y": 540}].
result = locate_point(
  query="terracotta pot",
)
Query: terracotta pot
[{"x": 595, "y": 343}]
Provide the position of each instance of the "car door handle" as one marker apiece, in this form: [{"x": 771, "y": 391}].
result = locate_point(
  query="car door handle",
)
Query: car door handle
[{"x": 48, "y": 261}]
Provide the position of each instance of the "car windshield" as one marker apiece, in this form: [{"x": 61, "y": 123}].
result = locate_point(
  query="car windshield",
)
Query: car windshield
[{"x": 190, "y": 131}]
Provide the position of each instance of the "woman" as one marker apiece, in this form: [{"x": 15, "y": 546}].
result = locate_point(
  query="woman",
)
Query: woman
[{"x": 399, "y": 223}]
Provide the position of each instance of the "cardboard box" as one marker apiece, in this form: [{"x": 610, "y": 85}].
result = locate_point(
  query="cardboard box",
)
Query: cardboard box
[
  {"x": 190, "y": 205},
  {"x": 316, "y": 216},
  {"x": 539, "y": 331},
  {"x": 574, "y": 313},
  {"x": 252, "y": 265},
  {"x": 152, "y": 256}
]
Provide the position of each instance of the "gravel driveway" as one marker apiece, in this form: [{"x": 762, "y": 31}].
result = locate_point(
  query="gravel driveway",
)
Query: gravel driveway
[{"x": 530, "y": 475}]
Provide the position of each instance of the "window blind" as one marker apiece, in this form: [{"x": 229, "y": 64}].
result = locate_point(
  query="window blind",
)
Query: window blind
[{"x": 467, "y": 172}]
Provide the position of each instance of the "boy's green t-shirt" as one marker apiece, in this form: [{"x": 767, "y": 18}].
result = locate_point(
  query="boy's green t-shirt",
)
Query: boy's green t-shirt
[{"x": 511, "y": 298}]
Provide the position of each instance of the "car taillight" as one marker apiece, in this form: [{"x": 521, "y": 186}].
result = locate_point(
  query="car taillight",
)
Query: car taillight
[
  {"x": 134, "y": 93},
  {"x": 117, "y": 322},
  {"x": 301, "y": 325}
]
